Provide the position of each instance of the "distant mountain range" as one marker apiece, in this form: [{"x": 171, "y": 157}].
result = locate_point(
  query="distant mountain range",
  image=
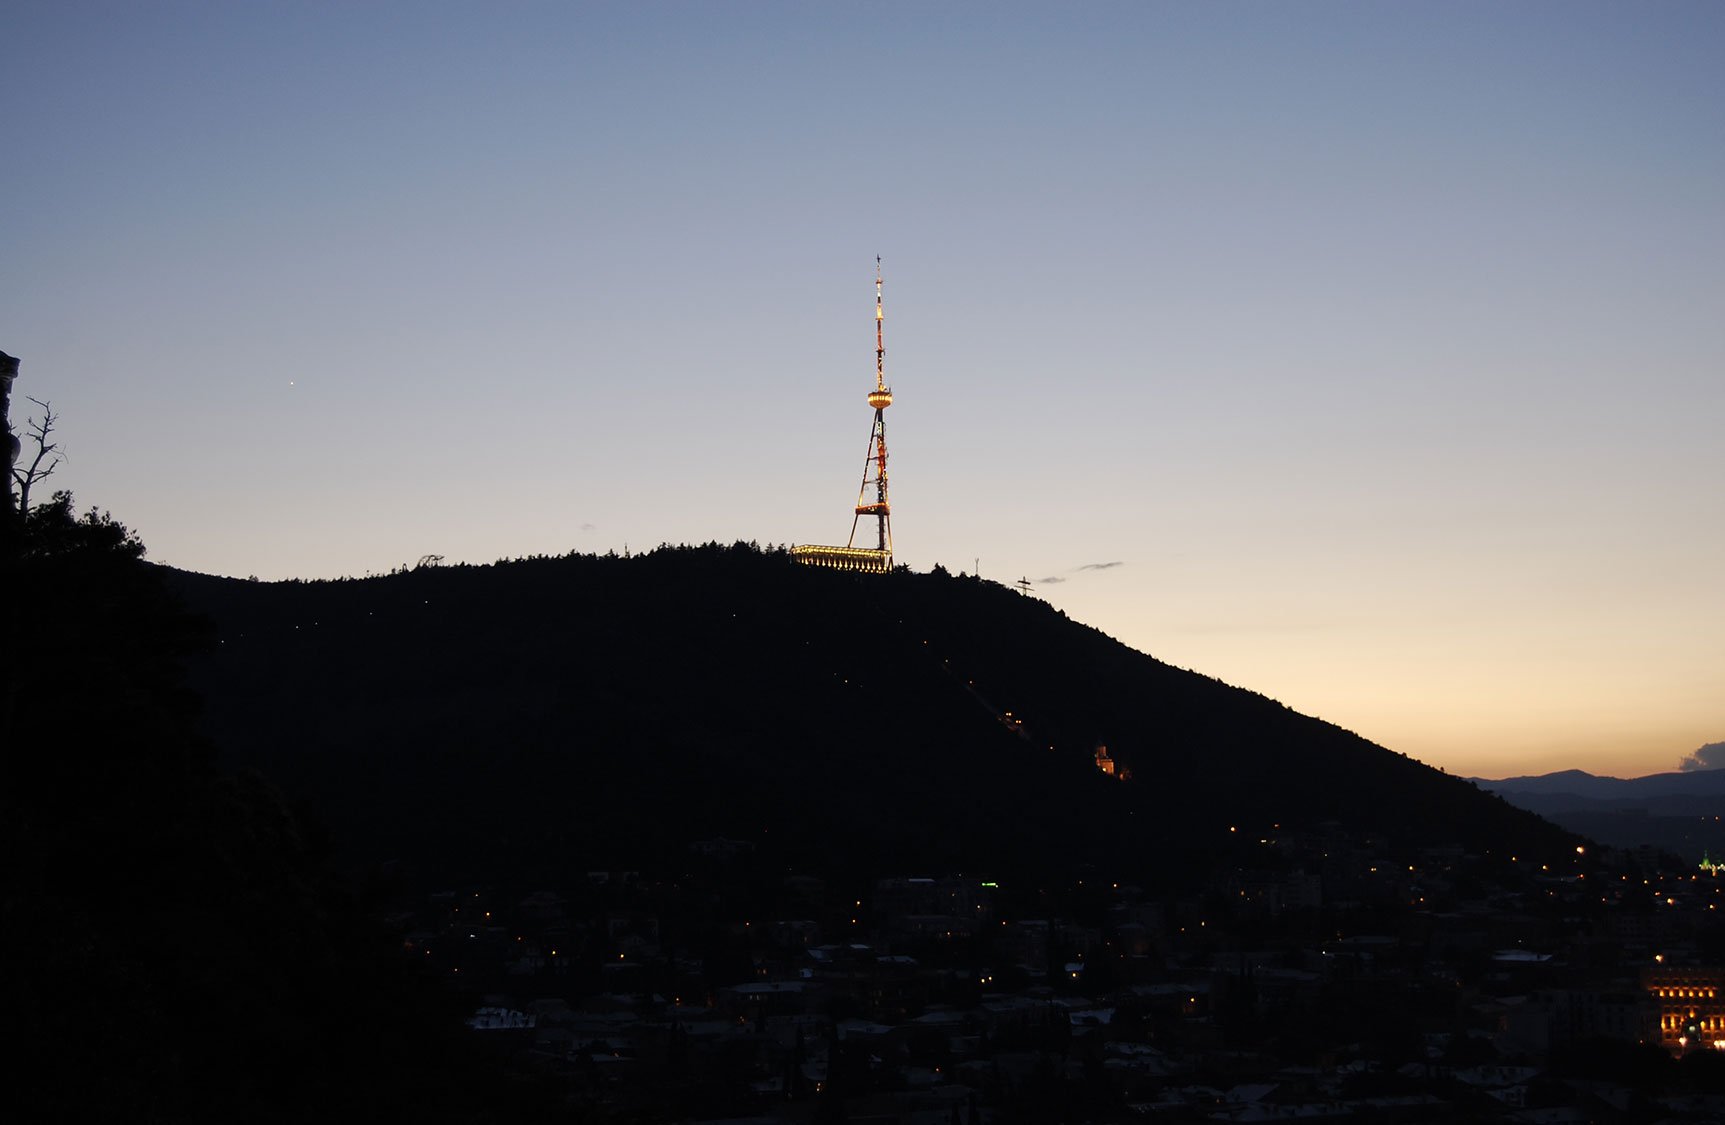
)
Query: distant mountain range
[
  {"x": 545, "y": 714},
  {"x": 1679, "y": 812}
]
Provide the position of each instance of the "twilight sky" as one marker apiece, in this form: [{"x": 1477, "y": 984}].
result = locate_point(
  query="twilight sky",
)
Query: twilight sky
[{"x": 1381, "y": 346}]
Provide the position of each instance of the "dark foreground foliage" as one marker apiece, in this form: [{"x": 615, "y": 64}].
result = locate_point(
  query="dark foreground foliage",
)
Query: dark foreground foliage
[{"x": 174, "y": 947}]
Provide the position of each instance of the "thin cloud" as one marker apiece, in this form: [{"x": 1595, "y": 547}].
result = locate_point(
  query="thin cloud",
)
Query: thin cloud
[
  {"x": 1709, "y": 757},
  {"x": 1053, "y": 579},
  {"x": 1209, "y": 628}
]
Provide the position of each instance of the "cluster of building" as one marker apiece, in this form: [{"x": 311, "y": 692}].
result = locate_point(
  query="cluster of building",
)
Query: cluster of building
[{"x": 1327, "y": 979}]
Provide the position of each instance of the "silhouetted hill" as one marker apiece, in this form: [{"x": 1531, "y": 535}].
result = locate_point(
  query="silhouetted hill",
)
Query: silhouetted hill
[
  {"x": 555, "y": 714},
  {"x": 1582, "y": 787},
  {"x": 1676, "y": 812}
]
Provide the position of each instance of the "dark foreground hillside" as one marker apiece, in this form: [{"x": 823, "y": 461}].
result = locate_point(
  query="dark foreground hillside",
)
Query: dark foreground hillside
[
  {"x": 173, "y": 945},
  {"x": 549, "y": 716},
  {"x": 185, "y": 943}
]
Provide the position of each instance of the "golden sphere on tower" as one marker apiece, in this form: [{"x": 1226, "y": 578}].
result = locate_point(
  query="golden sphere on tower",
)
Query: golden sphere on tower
[{"x": 880, "y": 398}]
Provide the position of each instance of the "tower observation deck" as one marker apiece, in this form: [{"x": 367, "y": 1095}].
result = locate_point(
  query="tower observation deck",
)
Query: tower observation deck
[{"x": 872, "y": 498}]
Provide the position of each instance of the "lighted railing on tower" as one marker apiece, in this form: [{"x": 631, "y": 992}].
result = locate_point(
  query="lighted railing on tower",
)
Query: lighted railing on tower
[{"x": 865, "y": 559}]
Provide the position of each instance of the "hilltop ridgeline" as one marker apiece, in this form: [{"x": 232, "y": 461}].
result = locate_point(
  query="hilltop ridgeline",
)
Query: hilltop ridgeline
[{"x": 552, "y": 714}]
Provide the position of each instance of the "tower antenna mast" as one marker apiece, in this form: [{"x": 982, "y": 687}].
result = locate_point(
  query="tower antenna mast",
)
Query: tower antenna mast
[
  {"x": 872, "y": 500},
  {"x": 874, "y": 465}
]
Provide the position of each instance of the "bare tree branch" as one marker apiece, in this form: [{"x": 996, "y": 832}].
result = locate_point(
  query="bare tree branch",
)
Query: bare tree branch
[{"x": 46, "y": 451}]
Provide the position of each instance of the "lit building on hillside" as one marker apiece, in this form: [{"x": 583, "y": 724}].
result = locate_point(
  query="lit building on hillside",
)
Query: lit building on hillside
[{"x": 1691, "y": 1006}]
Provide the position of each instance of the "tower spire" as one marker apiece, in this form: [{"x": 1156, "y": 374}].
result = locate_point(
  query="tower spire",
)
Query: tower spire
[{"x": 879, "y": 339}]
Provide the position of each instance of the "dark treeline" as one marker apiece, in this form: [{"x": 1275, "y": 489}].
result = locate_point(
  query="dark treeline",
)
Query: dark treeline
[{"x": 547, "y": 716}]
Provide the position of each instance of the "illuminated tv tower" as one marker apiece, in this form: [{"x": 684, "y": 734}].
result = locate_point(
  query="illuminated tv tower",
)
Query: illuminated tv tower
[
  {"x": 874, "y": 465},
  {"x": 872, "y": 499}
]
